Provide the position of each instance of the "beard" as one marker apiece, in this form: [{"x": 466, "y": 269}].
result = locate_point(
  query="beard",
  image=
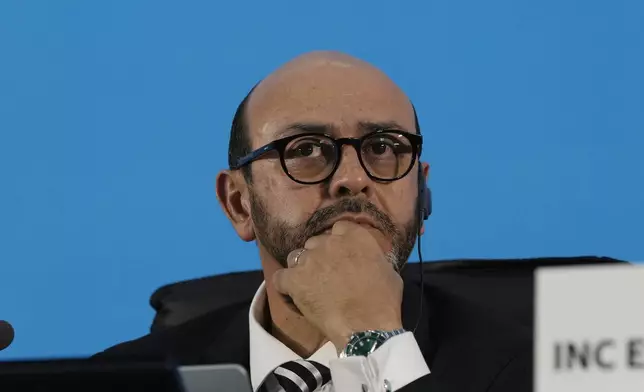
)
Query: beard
[{"x": 280, "y": 238}]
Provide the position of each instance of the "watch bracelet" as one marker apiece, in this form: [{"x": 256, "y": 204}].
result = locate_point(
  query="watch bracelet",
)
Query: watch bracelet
[{"x": 382, "y": 337}]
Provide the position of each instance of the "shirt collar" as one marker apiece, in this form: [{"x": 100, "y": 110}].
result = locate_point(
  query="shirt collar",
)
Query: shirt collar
[{"x": 266, "y": 352}]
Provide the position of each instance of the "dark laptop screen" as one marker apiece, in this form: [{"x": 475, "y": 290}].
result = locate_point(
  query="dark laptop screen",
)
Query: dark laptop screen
[{"x": 87, "y": 376}]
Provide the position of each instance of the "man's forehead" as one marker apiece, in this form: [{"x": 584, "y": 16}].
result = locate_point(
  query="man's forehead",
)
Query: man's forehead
[{"x": 339, "y": 94}]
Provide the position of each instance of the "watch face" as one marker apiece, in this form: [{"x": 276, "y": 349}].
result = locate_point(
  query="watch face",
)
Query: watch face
[{"x": 364, "y": 343}]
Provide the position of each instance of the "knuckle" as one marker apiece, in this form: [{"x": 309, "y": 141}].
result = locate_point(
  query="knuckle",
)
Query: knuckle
[
  {"x": 342, "y": 223},
  {"x": 341, "y": 227}
]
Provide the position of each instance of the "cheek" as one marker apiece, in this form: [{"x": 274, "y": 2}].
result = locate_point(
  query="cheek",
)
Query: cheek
[
  {"x": 402, "y": 204},
  {"x": 293, "y": 203},
  {"x": 294, "y": 207}
]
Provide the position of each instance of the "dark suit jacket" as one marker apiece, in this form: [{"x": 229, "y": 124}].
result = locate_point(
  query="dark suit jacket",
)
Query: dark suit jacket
[{"x": 475, "y": 327}]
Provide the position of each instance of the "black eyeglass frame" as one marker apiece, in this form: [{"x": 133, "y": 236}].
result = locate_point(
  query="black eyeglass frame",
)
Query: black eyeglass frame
[{"x": 279, "y": 145}]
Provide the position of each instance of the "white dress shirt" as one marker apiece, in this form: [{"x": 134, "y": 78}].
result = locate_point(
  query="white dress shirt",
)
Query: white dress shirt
[{"x": 396, "y": 363}]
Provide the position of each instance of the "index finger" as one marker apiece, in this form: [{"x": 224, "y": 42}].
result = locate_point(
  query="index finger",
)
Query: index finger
[{"x": 343, "y": 226}]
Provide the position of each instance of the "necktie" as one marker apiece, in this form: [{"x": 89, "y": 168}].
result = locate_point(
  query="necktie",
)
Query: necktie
[{"x": 297, "y": 376}]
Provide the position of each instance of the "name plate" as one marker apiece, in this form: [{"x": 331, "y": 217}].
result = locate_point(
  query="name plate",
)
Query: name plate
[{"x": 589, "y": 329}]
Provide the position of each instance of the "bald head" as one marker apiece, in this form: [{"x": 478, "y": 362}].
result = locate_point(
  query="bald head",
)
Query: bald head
[
  {"x": 322, "y": 87},
  {"x": 311, "y": 60},
  {"x": 315, "y": 70}
]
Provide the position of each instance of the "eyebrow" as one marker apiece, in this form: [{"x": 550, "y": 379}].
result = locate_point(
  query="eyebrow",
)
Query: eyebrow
[
  {"x": 364, "y": 127},
  {"x": 370, "y": 126},
  {"x": 295, "y": 128}
]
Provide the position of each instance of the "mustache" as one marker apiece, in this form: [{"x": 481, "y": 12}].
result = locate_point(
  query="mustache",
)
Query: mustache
[{"x": 319, "y": 221}]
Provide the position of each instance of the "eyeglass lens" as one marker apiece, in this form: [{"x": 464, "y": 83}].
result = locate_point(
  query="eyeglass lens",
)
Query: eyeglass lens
[{"x": 385, "y": 155}]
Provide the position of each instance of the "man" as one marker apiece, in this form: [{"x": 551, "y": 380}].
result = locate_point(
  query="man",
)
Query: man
[{"x": 325, "y": 177}]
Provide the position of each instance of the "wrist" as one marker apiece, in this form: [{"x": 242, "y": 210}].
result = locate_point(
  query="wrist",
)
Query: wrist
[{"x": 342, "y": 334}]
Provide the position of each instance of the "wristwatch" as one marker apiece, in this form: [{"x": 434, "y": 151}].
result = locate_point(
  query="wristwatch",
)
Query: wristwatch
[{"x": 364, "y": 343}]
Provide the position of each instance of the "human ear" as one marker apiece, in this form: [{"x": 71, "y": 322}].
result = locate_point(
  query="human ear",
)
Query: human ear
[
  {"x": 424, "y": 170},
  {"x": 233, "y": 196}
]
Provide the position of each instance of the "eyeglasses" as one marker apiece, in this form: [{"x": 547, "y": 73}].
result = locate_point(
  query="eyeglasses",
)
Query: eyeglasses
[{"x": 312, "y": 158}]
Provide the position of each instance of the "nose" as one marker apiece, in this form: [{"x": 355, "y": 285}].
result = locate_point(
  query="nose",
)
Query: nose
[{"x": 350, "y": 179}]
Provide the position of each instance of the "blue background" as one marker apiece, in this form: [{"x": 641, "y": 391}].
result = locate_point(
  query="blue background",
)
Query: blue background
[{"x": 114, "y": 120}]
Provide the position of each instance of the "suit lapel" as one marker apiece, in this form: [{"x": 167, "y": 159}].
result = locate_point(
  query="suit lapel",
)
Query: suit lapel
[
  {"x": 416, "y": 315},
  {"x": 230, "y": 344}
]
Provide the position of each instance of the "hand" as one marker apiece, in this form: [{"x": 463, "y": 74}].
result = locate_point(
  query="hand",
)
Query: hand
[{"x": 343, "y": 283}]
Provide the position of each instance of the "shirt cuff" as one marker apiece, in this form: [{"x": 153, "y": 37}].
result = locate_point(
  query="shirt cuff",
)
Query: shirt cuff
[{"x": 393, "y": 365}]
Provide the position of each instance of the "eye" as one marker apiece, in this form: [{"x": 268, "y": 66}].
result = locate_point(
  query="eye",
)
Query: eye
[
  {"x": 382, "y": 146},
  {"x": 308, "y": 148},
  {"x": 379, "y": 148}
]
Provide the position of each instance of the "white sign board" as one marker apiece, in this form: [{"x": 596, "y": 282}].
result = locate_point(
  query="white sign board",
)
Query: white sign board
[{"x": 589, "y": 329}]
